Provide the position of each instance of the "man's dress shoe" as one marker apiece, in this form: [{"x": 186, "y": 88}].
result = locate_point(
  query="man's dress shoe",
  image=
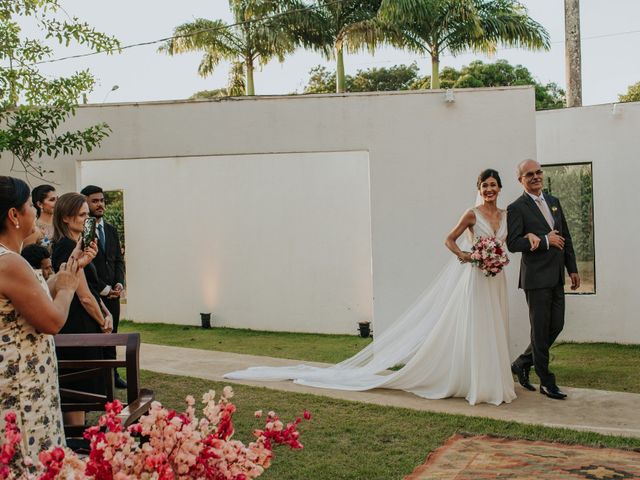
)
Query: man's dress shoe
[
  {"x": 523, "y": 376},
  {"x": 553, "y": 391},
  {"x": 119, "y": 382}
]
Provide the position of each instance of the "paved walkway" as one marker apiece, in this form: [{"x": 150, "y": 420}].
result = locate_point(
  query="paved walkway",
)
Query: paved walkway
[{"x": 612, "y": 413}]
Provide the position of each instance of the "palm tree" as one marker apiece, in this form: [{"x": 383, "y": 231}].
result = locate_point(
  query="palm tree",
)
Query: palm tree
[
  {"x": 330, "y": 27},
  {"x": 255, "y": 39},
  {"x": 436, "y": 26}
]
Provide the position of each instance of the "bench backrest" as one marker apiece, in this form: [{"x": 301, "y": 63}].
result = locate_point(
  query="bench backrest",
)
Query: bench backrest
[{"x": 74, "y": 400}]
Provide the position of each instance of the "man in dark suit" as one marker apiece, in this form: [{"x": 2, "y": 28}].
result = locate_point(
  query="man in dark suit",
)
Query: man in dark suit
[
  {"x": 109, "y": 265},
  {"x": 538, "y": 229}
]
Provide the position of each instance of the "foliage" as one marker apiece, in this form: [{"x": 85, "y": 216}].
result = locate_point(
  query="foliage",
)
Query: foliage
[
  {"x": 210, "y": 94},
  {"x": 499, "y": 74},
  {"x": 573, "y": 185},
  {"x": 632, "y": 95},
  {"x": 475, "y": 75},
  {"x": 398, "y": 77},
  {"x": 247, "y": 42},
  {"x": 114, "y": 212},
  {"x": 33, "y": 107},
  {"x": 321, "y": 80},
  {"x": 437, "y": 26},
  {"x": 164, "y": 444},
  {"x": 333, "y": 27},
  {"x": 236, "y": 86}
]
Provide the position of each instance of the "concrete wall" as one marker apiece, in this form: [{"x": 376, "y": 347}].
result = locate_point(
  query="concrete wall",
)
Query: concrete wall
[
  {"x": 278, "y": 242},
  {"x": 423, "y": 157},
  {"x": 608, "y": 136}
]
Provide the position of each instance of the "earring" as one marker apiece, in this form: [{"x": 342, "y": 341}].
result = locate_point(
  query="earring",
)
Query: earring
[{"x": 17, "y": 225}]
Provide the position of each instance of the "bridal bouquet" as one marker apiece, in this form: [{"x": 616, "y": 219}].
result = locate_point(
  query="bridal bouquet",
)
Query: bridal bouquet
[
  {"x": 489, "y": 255},
  {"x": 164, "y": 445}
]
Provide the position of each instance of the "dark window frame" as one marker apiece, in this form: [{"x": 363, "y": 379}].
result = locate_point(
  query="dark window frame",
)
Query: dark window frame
[{"x": 593, "y": 219}]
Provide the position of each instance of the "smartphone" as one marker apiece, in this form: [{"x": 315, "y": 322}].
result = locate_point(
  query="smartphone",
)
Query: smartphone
[{"x": 88, "y": 232}]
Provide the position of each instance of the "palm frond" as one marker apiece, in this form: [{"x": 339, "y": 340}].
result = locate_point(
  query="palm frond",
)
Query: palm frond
[
  {"x": 201, "y": 34},
  {"x": 365, "y": 35},
  {"x": 210, "y": 60},
  {"x": 506, "y": 22},
  {"x": 237, "y": 82}
]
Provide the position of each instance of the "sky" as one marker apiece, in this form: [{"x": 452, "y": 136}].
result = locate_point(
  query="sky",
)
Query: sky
[{"x": 610, "y": 30}]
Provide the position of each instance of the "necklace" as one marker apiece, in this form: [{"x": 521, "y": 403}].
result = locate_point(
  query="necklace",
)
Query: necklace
[{"x": 7, "y": 248}]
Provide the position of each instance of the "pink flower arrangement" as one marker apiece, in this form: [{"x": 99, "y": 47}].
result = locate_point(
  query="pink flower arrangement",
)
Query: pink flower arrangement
[
  {"x": 489, "y": 255},
  {"x": 163, "y": 445}
]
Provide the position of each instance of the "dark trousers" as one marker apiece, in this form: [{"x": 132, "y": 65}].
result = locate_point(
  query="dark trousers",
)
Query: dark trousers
[
  {"x": 546, "y": 315},
  {"x": 113, "y": 305}
]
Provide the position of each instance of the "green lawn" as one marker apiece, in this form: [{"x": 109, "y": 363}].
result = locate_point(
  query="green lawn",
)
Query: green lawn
[
  {"x": 588, "y": 365},
  {"x": 349, "y": 440},
  {"x": 603, "y": 366},
  {"x": 298, "y": 346}
]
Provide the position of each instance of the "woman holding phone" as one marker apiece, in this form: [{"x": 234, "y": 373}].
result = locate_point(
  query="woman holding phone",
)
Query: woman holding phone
[
  {"x": 87, "y": 313},
  {"x": 30, "y": 313}
]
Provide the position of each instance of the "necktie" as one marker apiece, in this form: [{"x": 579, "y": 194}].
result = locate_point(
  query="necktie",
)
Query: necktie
[
  {"x": 545, "y": 211},
  {"x": 101, "y": 236}
]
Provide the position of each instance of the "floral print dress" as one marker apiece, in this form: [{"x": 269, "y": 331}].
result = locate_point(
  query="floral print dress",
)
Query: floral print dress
[{"x": 29, "y": 380}]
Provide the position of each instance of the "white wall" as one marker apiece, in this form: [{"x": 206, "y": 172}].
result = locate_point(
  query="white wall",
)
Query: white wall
[
  {"x": 609, "y": 137},
  {"x": 424, "y": 155},
  {"x": 271, "y": 242}
]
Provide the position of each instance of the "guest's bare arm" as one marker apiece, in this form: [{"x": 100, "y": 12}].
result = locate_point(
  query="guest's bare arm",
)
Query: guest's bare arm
[{"x": 20, "y": 285}]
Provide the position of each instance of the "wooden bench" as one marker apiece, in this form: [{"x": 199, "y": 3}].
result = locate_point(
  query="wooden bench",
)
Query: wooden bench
[{"x": 138, "y": 400}]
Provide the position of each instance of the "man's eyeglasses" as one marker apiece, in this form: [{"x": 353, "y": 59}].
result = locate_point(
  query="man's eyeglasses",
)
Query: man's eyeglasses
[{"x": 530, "y": 175}]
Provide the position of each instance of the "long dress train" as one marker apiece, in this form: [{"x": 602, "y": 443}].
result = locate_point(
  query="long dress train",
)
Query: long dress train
[{"x": 453, "y": 342}]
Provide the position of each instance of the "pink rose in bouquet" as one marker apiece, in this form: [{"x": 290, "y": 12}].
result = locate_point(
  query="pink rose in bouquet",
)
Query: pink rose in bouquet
[
  {"x": 489, "y": 255},
  {"x": 164, "y": 445}
]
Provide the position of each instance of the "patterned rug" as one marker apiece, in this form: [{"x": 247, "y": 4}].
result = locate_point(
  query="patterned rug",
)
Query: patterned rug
[{"x": 484, "y": 457}]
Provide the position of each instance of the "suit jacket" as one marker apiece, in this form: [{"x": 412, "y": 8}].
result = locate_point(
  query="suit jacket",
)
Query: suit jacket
[
  {"x": 542, "y": 268},
  {"x": 109, "y": 263}
]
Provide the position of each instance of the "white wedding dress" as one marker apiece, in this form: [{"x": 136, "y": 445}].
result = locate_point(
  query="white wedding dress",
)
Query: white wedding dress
[{"x": 453, "y": 342}]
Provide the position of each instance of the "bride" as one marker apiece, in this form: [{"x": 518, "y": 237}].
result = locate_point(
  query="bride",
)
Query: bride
[{"x": 452, "y": 342}]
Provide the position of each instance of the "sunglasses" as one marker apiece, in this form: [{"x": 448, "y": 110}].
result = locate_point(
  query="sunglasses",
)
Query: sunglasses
[{"x": 530, "y": 175}]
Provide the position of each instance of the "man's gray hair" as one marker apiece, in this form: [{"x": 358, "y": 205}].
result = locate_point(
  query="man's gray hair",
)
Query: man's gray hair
[{"x": 521, "y": 165}]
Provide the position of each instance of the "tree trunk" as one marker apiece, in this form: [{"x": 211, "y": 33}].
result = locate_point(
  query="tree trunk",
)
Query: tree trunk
[
  {"x": 435, "y": 70},
  {"x": 340, "y": 78},
  {"x": 573, "y": 57},
  {"x": 250, "y": 90}
]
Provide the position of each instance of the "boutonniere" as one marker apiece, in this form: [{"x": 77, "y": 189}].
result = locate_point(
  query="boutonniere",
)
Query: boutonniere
[{"x": 554, "y": 210}]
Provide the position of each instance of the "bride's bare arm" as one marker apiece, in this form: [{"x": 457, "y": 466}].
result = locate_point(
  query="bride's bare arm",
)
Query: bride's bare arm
[{"x": 467, "y": 220}]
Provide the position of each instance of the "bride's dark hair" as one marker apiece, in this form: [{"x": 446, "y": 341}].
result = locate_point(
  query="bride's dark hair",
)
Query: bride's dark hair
[{"x": 488, "y": 173}]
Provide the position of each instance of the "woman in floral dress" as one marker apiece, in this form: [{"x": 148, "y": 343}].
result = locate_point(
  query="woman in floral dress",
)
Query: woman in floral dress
[{"x": 28, "y": 319}]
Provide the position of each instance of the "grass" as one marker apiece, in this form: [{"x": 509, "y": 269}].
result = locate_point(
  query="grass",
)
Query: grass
[
  {"x": 349, "y": 440},
  {"x": 603, "y": 366},
  {"x": 311, "y": 347}
]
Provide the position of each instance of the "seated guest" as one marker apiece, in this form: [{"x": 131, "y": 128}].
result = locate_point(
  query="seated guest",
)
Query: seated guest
[
  {"x": 28, "y": 319},
  {"x": 87, "y": 313},
  {"x": 39, "y": 258}
]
